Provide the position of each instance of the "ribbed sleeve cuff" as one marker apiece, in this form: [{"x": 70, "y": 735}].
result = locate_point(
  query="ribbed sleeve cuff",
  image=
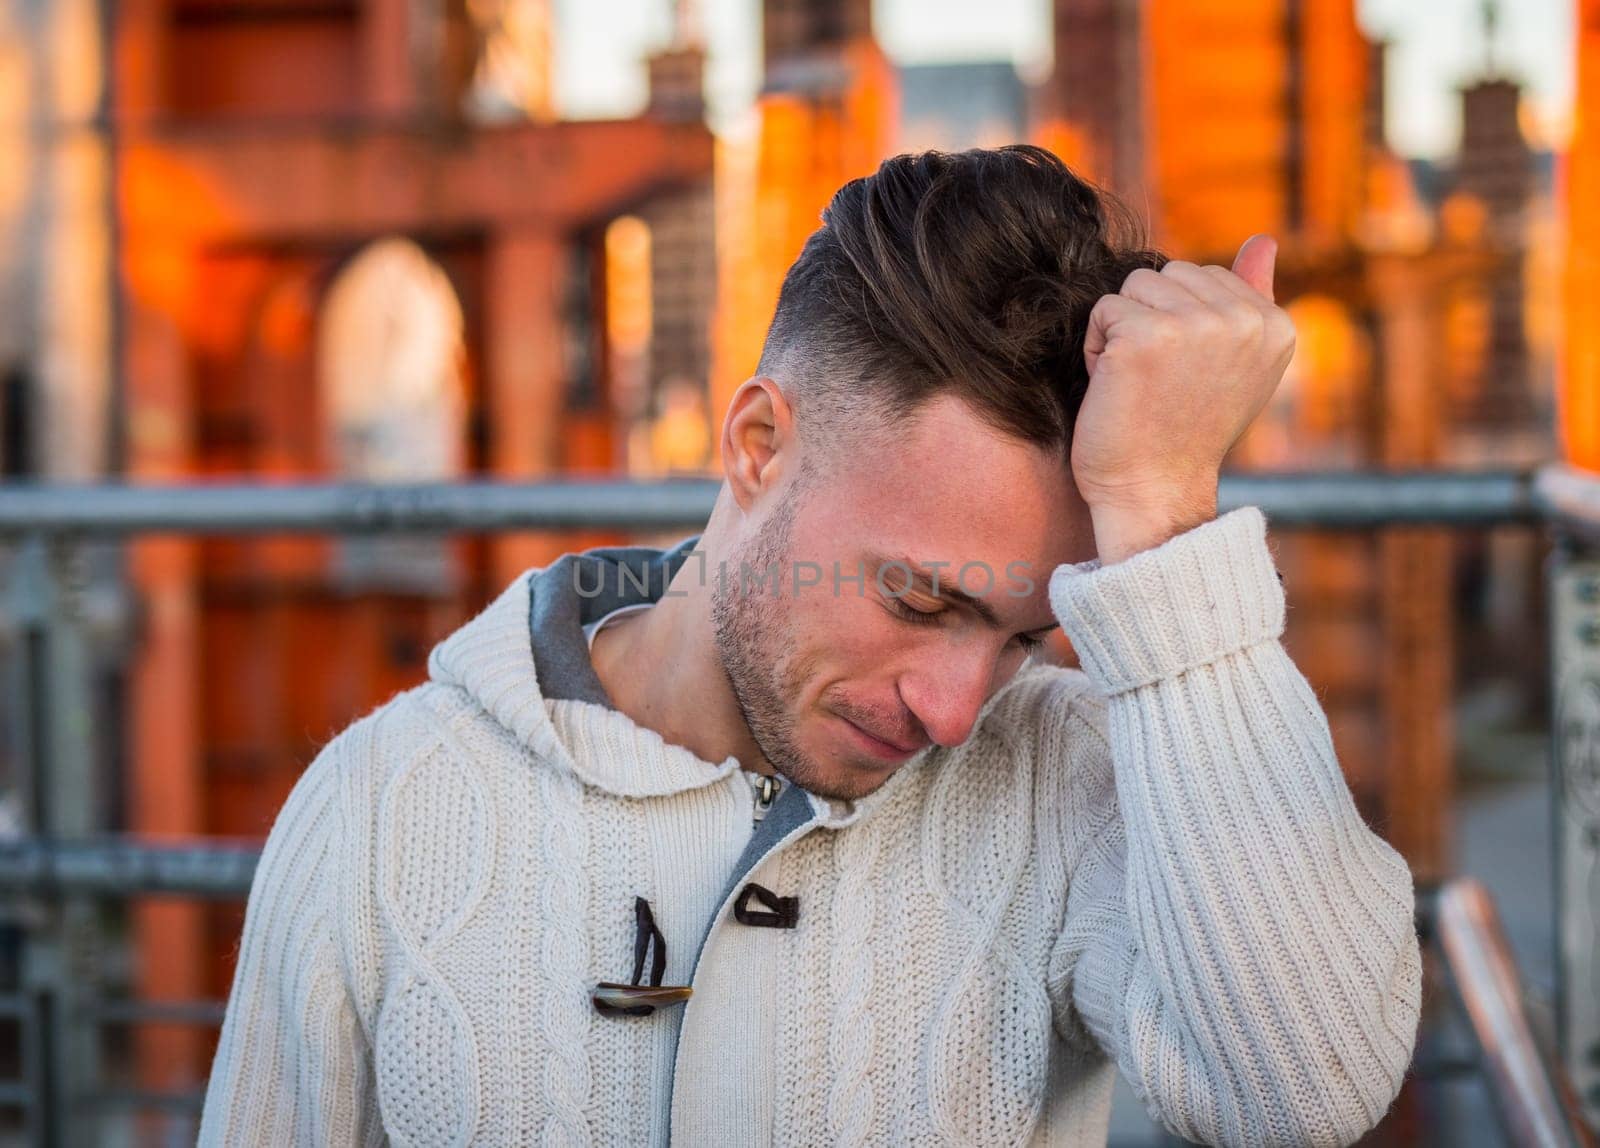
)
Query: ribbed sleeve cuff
[{"x": 1195, "y": 598}]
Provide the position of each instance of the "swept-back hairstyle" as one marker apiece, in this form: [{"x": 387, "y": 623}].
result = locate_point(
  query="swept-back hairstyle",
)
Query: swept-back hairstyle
[{"x": 970, "y": 274}]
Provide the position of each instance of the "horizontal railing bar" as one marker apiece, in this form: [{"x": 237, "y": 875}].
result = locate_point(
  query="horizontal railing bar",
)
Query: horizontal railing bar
[
  {"x": 468, "y": 507},
  {"x": 192, "y": 1100},
  {"x": 1351, "y": 500},
  {"x": 1569, "y": 496},
  {"x": 204, "y": 1013},
  {"x": 1446, "y": 1067},
  {"x": 208, "y": 866},
  {"x": 121, "y": 866},
  {"x": 1343, "y": 499},
  {"x": 14, "y": 1006},
  {"x": 17, "y": 1095}
]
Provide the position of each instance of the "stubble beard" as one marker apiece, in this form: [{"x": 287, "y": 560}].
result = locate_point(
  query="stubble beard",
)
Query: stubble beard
[{"x": 754, "y": 635}]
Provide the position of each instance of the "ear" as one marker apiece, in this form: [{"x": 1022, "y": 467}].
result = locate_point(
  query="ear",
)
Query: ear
[{"x": 757, "y": 439}]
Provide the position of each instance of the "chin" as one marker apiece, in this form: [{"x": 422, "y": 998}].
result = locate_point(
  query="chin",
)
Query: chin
[
  {"x": 851, "y": 788},
  {"x": 841, "y": 780}
]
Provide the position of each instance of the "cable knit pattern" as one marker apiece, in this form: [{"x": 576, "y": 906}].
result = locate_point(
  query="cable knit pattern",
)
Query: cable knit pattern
[
  {"x": 804, "y": 1106},
  {"x": 619, "y": 862},
  {"x": 853, "y": 1033},
  {"x": 993, "y": 1012},
  {"x": 1153, "y": 866},
  {"x": 424, "y": 894},
  {"x": 564, "y": 1013}
]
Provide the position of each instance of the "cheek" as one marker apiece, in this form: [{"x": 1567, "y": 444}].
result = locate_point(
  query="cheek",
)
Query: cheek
[
  {"x": 848, "y": 637},
  {"x": 858, "y": 627},
  {"x": 848, "y": 642}
]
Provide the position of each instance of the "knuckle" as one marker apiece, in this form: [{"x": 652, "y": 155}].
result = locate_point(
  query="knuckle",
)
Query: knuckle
[
  {"x": 1246, "y": 320},
  {"x": 1166, "y": 328},
  {"x": 1139, "y": 275},
  {"x": 1223, "y": 326}
]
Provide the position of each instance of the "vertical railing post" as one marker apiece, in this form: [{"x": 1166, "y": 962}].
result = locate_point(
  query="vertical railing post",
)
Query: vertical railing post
[
  {"x": 56, "y": 712},
  {"x": 1575, "y": 591},
  {"x": 1575, "y": 760},
  {"x": 38, "y": 970}
]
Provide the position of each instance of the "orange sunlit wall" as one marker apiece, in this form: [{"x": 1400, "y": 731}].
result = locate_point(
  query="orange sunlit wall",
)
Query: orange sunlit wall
[
  {"x": 1068, "y": 142},
  {"x": 809, "y": 144},
  {"x": 1214, "y": 82},
  {"x": 1333, "y": 82},
  {"x": 1252, "y": 117},
  {"x": 1580, "y": 384}
]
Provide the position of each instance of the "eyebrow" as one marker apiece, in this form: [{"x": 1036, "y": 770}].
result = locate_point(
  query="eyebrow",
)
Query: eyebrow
[{"x": 949, "y": 590}]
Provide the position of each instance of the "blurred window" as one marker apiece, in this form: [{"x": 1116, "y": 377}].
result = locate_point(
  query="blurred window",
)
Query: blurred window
[{"x": 390, "y": 359}]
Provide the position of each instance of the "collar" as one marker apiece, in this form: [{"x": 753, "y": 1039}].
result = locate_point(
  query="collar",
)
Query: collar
[
  {"x": 525, "y": 661},
  {"x": 553, "y": 703},
  {"x": 578, "y": 589}
]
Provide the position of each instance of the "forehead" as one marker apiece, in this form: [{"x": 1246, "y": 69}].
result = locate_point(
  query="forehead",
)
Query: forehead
[{"x": 943, "y": 485}]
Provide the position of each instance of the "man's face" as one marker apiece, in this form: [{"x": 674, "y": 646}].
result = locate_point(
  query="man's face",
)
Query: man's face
[{"x": 912, "y": 579}]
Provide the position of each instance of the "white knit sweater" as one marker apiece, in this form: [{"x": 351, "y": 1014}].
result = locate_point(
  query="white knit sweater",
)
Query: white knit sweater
[{"x": 1151, "y": 866}]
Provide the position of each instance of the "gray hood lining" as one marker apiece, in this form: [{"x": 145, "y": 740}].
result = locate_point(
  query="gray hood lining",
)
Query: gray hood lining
[{"x": 578, "y": 589}]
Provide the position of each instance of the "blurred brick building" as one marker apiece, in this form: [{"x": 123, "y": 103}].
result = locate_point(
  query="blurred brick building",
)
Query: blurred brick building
[
  {"x": 296, "y": 239},
  {"x": 335, "y": 239}
]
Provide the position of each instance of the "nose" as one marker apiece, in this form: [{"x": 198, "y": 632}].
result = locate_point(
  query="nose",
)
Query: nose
[{"x": 946, "y": 695}]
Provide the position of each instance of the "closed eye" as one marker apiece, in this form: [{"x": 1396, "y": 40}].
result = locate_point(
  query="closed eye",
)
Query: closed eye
[
  {"x": 911, "y": 614},
  {"x": 1030, "y": 643}
]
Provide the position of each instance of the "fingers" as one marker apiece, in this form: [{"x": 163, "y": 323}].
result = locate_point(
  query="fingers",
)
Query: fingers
[
  {"x": 1108, "y": 313},
  {"x": 1183, "y": 287},
  {"x": 1159, "y": 290},
  {"x": 1207, "y": 281}
]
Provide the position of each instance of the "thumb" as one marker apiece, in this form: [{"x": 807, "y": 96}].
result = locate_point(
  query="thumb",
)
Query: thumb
[{"x": 1255, "y": 261}]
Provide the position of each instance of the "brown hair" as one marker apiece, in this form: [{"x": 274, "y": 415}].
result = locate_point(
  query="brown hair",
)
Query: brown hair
[{"x": 969, "y": 273}]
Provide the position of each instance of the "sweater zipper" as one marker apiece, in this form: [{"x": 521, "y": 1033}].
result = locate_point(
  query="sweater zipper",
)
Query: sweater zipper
[{"x": 766, "y": 792}]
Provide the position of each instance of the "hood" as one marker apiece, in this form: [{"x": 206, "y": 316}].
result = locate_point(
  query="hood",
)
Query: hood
[{"x": 527, "y": 649}]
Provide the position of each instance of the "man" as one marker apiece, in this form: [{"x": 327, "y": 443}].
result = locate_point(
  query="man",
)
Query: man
[{"x": 783, "y": 839}]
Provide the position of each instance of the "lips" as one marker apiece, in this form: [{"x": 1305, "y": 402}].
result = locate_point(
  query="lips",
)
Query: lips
[{"x": 889, "y": 744}]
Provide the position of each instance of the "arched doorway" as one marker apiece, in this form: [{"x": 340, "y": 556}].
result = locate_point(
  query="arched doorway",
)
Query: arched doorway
[{"x": 391, "y": 363}]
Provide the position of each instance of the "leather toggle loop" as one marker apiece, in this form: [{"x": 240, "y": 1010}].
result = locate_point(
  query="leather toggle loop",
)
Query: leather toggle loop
[
  {"x": 640, "y": 999},
  {"x": 780, "y": 913}
]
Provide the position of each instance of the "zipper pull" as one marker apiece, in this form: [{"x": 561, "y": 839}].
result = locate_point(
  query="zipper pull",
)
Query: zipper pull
[{"x": 766, "y": 789}]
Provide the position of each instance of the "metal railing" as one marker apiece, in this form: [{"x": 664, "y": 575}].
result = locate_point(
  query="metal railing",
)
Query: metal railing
[
  {"x": 1337, "y": 500},
  {"x": 65, "y": 868},
  {"x": 1536, "y": 1103}
]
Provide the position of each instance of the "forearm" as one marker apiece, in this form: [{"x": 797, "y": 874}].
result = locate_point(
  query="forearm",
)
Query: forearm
[{"x": 1270, "y": 943}]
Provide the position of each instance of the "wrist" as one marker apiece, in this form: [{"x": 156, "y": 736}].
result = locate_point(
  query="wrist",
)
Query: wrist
[{"x": 1122, "y": 530}]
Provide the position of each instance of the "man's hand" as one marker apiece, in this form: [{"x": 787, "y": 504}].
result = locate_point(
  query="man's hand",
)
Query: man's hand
[{"x": 1180, "y": 361}]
